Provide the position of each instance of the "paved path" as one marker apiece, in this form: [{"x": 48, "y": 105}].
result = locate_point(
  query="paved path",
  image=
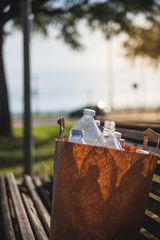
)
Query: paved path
[
  {"x": 116, "y": 116},
  {"x": 41, "y": 120}
]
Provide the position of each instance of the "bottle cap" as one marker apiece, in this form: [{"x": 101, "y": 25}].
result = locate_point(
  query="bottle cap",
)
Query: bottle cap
[
  {"x": 122, "y": 142},
  {"x": 89, "y": 112},
  {"x": 117, "y": 134},
  {"x": 109, "y": 124},
  {"x": 77, "y": 132}
]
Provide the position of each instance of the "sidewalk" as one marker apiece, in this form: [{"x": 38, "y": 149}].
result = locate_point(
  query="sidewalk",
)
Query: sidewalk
[{"x": 117, "y": 116}]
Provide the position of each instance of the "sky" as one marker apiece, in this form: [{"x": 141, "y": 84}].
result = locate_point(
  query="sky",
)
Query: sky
[{"x": 63, "y": 79}]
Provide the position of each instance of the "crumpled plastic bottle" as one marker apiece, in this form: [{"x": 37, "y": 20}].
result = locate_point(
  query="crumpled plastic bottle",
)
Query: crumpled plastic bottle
[
  {"x": 92, "y": 134},
  {"x": 109, "y": 135}
]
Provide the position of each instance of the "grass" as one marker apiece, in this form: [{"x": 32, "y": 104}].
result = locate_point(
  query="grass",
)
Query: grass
[{"x": 11, "y": 151}]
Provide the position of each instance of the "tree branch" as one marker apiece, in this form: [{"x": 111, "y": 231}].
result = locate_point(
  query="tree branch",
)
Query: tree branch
[{"x": 57, "y": 11}]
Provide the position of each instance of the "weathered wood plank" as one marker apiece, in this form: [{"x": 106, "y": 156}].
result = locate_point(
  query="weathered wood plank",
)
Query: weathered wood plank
[
  {"x": 157, "y": 171},
  {"x": 141, "y": 126},
  {"x": 141, "y": 236},
  {"x": 154, "y": 206},
  {"x": 6, "y": 215},
  {"x": 130, "y": 134},
  {"x": 22, "y": 219},
  {"x": 41, "y": 191},
  {"x": 155, "y": 188},
  {"x": 33, "y": 217},
  {"x": 1, "y": 222},
  {"x": 41, "y": 210},
  {"x": 152, "y": 226},
  {"x": 48, "y": 185}
]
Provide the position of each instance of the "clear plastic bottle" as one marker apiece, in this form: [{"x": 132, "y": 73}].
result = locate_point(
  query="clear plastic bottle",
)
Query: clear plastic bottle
[
  {"x": 98, "y": 123},
  {"x": 142, "y": 151},
  {"x": 77, "y": 136},
  {"x": 109, "y": 135},
  {"x": 92, "y": 134},
  {"x": 118, "y": 137}
]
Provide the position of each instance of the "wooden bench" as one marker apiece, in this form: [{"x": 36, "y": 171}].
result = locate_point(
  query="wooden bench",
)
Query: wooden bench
[{"x": 25, "y": 208}]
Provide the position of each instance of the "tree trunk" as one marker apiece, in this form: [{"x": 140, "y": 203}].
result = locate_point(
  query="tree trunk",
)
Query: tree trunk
[{"x": 5, "y": 122}]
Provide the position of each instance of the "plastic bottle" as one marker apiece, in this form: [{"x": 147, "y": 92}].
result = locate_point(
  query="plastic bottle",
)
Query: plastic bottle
[
  {"x": 92, "y": 134},
  {"x": 98, "y": 123},
  {"x": 77, "y": 136},
  {"x": 142, "y": 151},
  {"x": 118, "y": 137},
  {"x": 109, "y": 135}
]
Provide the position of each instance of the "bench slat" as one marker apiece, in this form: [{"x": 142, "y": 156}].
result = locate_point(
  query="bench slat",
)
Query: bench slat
[
  {"x": 6, "y": 216},
  {"x": 155, "y": 188},
  {"x": 41, "y": 210},
  {"x": 141, "y": 236},
  {"x": 48, "y": 185},
  {"x": 157, "y": 171},
  {"x": 141, "y": 126},
  {"x": 23, "y": 222},
  {"x": 152, "y": 226},
  {"x": 154, "y": 206},
  {"x": 35, "y": 222},
  {"x": 41, "y": 191},
  {"x": 131, "y": 135}
]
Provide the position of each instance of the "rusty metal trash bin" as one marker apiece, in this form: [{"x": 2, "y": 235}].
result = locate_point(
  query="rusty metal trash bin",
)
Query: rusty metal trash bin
[{"x": 99, "y": 193}]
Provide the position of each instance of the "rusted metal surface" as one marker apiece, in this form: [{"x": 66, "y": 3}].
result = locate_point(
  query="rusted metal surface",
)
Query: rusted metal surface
[{"x": 99, "y": 193}]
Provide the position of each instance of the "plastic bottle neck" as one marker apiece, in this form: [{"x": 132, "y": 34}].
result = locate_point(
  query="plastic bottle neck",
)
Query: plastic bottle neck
[{"x": 110, "y": 129}]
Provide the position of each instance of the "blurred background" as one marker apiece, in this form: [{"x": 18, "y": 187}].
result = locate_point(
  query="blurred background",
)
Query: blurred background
[
  {"x": 64, "y": 79},
  {"x": 100, "y": 54}
]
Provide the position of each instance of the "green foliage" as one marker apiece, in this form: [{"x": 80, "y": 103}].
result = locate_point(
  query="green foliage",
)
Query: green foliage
[
  {"x": 145, "y": 43},
  {"x": 111, "y": 16},
  {"x": 11, "y": 151}
]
